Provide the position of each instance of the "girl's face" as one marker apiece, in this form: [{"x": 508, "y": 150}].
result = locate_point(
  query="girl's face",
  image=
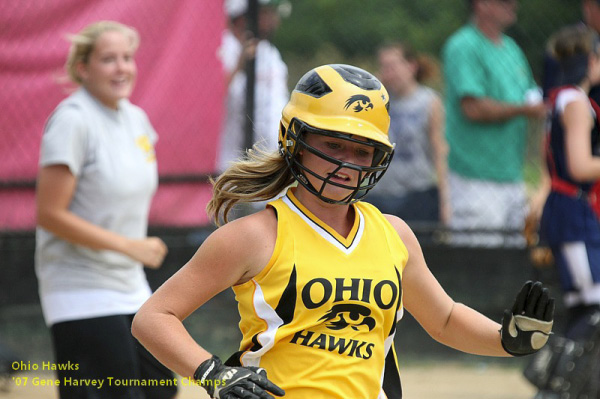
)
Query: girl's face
[
  {"x": 110, "y": 71},
  {"x": 339, "y": 149},
  {"x": 397, "y": 73}
]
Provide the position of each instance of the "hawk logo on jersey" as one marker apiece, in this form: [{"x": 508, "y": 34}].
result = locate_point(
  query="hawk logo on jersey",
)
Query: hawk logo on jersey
[
  {"x": 362, "y": 103},
  {"x": 335, "y": 319}
]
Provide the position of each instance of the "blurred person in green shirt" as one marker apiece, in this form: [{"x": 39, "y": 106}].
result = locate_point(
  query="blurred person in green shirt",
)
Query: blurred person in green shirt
[{"x": 490, "y": 93}]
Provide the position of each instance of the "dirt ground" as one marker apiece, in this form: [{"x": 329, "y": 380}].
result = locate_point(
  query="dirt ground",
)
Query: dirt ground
[{"x": 444, "y": 380}]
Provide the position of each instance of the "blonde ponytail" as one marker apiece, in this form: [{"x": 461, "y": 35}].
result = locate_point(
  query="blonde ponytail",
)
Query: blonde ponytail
[{"x": 260, "y": 176}]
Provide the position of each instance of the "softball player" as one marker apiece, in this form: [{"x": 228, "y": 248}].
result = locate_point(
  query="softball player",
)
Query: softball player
[
  {"x": 570, "y": 224},
  {"x": 321, "y": 278}
]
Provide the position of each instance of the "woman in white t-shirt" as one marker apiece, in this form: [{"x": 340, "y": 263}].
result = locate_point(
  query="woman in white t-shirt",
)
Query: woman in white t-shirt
[{"x": 97, "y": 177}]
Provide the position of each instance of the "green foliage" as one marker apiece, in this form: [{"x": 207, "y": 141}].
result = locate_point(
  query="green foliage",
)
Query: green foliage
[{"x": 350, "y": 31}]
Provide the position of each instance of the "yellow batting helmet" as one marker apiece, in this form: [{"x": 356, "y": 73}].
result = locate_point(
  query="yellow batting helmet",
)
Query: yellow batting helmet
[{"x": 341, "y": 101}]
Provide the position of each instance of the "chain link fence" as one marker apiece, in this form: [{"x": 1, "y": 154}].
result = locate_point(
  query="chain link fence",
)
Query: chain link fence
[{"x": 181, "y": 83}]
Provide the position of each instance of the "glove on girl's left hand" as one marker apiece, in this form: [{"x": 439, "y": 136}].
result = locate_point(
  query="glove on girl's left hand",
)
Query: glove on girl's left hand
[{"x": 526, "y": 328}]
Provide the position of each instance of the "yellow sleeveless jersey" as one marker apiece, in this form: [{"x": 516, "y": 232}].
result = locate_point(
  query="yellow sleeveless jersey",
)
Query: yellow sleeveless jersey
[{"x": 321, "y": 316}]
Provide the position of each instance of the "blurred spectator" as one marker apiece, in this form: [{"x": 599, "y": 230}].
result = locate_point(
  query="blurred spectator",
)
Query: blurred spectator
[
  {"x": 488, "y": 85},
  {"x": 97, "y": 178},
  {"x": 570, "y": 224},
  {"x": 271, "y": 91},
  {"x": 414, "y": 186},
  {"x": 590, "y": 10}
]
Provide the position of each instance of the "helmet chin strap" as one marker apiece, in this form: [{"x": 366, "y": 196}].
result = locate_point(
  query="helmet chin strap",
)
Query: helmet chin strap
[{"x": 304, "y": 181}]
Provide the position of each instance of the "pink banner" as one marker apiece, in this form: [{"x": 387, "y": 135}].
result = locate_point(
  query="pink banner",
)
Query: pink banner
[{"x": 180, "y": 86}]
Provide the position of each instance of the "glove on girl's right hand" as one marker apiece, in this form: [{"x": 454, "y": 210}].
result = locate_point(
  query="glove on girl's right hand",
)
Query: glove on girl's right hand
[{"x": 224, "y": 382}]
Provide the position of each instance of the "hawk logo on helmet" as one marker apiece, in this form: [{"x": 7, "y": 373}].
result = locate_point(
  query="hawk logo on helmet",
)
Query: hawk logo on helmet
[{"x": 362, "y": 102}]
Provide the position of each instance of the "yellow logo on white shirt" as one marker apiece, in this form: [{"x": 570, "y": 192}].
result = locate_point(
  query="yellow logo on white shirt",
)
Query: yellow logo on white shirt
[{"x": 144, "y": 143}]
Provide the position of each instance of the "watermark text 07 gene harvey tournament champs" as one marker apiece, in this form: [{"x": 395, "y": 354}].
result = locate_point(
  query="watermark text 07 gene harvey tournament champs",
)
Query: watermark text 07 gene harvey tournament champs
[{"x": 23, "y": 381}]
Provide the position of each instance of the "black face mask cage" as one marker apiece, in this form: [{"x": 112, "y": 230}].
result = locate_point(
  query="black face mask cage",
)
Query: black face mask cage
[{"x": 368, "y": 175}]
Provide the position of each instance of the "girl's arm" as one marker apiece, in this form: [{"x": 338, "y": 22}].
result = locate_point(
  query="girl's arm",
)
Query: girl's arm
[
  {"x": 55, "y": 188},
  {"x": 578, "y": 124},
  {"x": 231, "y": 255},
  {"x": 458, "y": 326}
]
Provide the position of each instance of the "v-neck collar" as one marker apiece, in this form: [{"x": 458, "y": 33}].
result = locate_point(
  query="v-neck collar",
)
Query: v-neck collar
[{"x": 344, "y": 244}]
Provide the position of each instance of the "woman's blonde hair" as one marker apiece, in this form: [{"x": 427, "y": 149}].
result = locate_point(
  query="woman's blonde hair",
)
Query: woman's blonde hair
[
  {"x": 260, "y": 176},
  {"x": 82, "y": 44}
]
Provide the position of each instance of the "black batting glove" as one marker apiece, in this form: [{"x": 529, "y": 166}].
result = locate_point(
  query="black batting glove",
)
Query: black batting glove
[
  {"x": 224, "y": 382},
  {"x": 526, "y": 328}
]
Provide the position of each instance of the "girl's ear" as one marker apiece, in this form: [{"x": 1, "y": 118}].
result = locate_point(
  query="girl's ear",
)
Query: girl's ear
[{"x": 82, "y": 70}]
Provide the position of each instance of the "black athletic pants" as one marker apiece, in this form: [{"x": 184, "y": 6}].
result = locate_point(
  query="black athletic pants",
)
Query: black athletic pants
[{"x": 103, "y": 350}]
